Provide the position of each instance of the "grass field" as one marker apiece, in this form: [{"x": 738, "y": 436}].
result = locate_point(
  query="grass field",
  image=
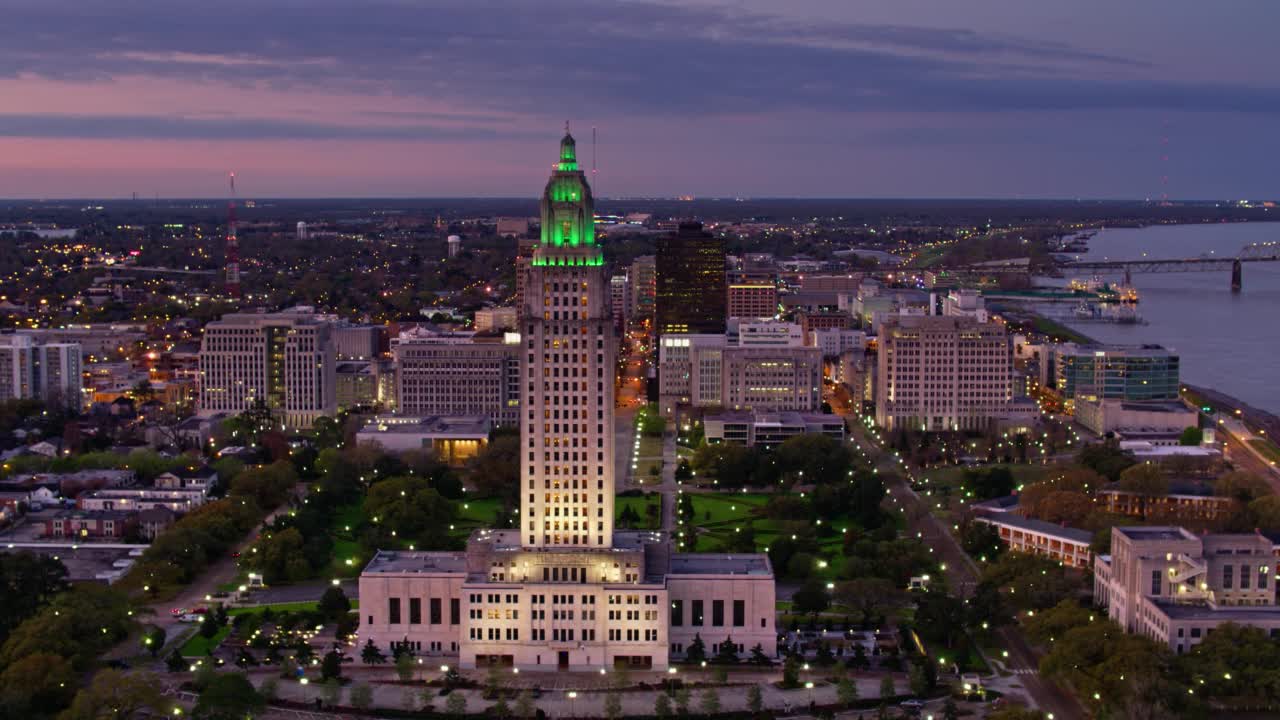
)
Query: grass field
[
  {"x": 641, "y": 507},
  {"x": 945, "y": 493},
  {"x": 1267, "y": 448},
  {"x": 649, "y": 456},
  {"x": 199, "y": 645}
]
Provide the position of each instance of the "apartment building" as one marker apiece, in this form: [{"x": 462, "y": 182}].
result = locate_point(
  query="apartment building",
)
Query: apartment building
[{"x": 32, "y": 369}]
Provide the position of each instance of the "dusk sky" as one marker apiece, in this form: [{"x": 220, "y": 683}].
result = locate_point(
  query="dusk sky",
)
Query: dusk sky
[{"x": 762, "y": 98}]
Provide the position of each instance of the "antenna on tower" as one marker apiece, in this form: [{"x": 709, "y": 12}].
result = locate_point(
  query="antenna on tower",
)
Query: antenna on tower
[
  {"x": 233, "y": 245},
  {"x": 595, "y": 188}
]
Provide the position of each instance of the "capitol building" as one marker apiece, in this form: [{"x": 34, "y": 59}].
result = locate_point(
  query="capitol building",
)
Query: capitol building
[{"x": 564, "y": 590}]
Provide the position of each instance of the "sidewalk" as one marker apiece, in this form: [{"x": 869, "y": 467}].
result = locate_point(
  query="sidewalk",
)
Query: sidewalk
[{"x": 589, "y": 691}]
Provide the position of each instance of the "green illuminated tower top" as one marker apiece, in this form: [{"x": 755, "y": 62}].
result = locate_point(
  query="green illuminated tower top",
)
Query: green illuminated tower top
[{"x": 568, "y": 213}]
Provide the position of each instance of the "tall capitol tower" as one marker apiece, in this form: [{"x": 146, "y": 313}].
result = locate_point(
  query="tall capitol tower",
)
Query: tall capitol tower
[
  {"x": 566, "y": 372},
  {"x": 562, "y": 591}
]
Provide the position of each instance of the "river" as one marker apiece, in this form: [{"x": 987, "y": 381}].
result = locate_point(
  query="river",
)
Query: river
[{"x": 1227, "y": 341}]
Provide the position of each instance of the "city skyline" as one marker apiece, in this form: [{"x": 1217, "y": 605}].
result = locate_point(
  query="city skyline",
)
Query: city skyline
[{"x": 455, "y": 99}]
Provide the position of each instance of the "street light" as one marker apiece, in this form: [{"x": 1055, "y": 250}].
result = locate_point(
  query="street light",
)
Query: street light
[{"x": 572, "y": 705}]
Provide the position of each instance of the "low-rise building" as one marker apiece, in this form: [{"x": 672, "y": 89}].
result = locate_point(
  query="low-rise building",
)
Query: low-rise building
[
  {"x": 454, "y": 439},
  {"x": 89, "y": 524},
  {"x": 1068, "y": 545},
  {"x": 1161, "y": 421},
  {"x": 179, "y": 501},
  {"x": 1176, "y": 587},
  {"x": 769, "y": 430}
]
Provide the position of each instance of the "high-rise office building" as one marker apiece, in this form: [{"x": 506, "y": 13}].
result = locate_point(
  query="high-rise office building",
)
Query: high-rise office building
[
  {"x": 753, "y": 298},
  {"x": 457, "y": 373},
  {"x": 563, "y": 590},
  {"x": 620, "y": 294},
  {"x": 644, "y": 286},
  {"x": 35, "y": 370},
  {"x": 1113, "y": 372},
  {"x": 760, "y": 366},
  {"x": 945, "y": 373},
  {"x": 691, "y": 294},
  {"x": 285, "y": 361}
]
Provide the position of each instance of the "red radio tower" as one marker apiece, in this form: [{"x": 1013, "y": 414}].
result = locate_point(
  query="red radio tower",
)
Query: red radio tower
[{"x": 233, "y": 245}]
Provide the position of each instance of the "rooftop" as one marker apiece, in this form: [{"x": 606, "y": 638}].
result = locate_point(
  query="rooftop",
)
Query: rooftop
[
  {"x": 1220, "y": 613},
  {"x": 446, "y": 425},
  {"x": 716, "y": 564},
  {"x": 1040, "y": 526},
  {"x": 1155, "y": 533},
  {"x": 398, "y": 561}
]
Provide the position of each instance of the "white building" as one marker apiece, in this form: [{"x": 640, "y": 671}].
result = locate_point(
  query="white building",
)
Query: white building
[
  {"x": 455, "y": 245},
  {"x": 453, "y": 439},
  {"x": 619, "y": 294},
  {"x": 564, "y": 590},
  {"x": 496, "y": 319},
  {"x": 1176, "y": 587},
  {"x": 769, "y": 429},
  {"x": 457, "y": 373},
  {"x": 965, "y": 302},
  {"x": 762, "y": 366},
  {"x": 31, "y": 369},
  {"x": 284, "y": 360},
  {"x": 946, "y": 373},
  {"x": 833, "y": 342}
]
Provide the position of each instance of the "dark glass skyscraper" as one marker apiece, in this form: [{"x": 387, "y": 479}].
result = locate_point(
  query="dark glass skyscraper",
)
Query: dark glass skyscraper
[{"x": 691, "y": 281}]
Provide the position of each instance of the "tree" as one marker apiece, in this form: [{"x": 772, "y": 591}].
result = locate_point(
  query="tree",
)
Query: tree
[
  {"x": 683, "y": 696},
  {"x": 331, "y": 666},
  {"x": 405, "y": 666},
  {"x": 456, "y": 704},
  {"x": 949, "y": 709},
  {"x": 493, "y": 682},
  {"x": 1191, "y": 436},
  {"x": 334, "y": 604},
  {"x": 209, "y": 625},
  {"x": 990, "y": 483},
  {"x": 1235, "y": 662},
  {"x": 758, "y": 657},
  {"x": 128, "y": 695},
  {"x": 175, "y": 662},
  {"x": 1144, "y": 479},
  {"x": 1265, "y": 513},
  {"x": 269, "y": 688},
  {"x": 1054, "y": 622},
  {"x": 846, "y": 691},
  {"x": 923, "y": 677},
  {"x": 662, "y": 706},
  {"x": 407, "y": 509},
  {"x": 755, "y": 699},
  {"x": 870, "y": 596},
  {"x": 153, "y": 640},
  {"x": 228, "y": 696},
  {"x": 1015, "y": 712},
  {"x": 728, "y": 652},
  {"x": 1106, "y": 459},
  {"x": 361, "y": 696},
  {"x": 1065, "y": 507},
  {"x": 279, "y": 557},
  {"x": 495, "y": 470},
  {"x": 79, "y": 625},
  {"x": 697, "y": 650},
  {"x": 981, "y": 540},
  {"x": 37, "y": 683},
  {"x": 524, "y": 705},
  {"x": 940, "y": 617},
  {"x": 370, "y": 654},
  {"x": 1241, "y": 485},
  {"x": 811, "y": 598},
  {"x": 613, "y": 705},
  {"x": 27, "y": 582},
  {"x": 331, "y": 691},
  {"x": 887, "y": 690},
  {"x": 710, "y": 701},
  {"x": 790, "y": 672}
]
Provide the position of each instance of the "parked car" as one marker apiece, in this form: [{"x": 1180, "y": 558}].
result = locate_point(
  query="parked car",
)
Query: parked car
[{"x": 190, "y": 618}]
